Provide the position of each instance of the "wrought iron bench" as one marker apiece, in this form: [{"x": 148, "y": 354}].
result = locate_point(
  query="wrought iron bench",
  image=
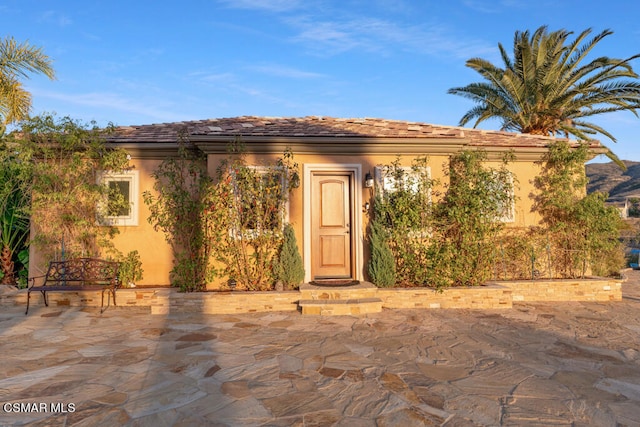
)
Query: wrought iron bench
[{"x": 79, "y": 274}]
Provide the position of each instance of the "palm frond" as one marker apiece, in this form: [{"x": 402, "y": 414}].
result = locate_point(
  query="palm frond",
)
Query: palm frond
[
  {"x": 15, "y": 102},
  {"x": 549, "y": 84},
  {"x": 21, "y": 59},
  {"x": 18, "y": 60}
]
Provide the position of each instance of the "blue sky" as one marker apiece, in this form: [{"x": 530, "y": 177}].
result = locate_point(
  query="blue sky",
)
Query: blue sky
[{"x": 141, "y": 62}]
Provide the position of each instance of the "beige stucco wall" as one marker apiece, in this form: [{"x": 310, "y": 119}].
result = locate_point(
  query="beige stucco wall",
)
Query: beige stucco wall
[
  {"x": 155, "y": 252},
  {"x": 523, "y": 170}
]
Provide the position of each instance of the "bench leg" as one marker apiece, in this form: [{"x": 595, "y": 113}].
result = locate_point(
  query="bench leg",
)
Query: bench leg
[
  {"x": 102, "y": 307},
  {"x": 110, "y": 292},
  {"x": 44, "y": 296}
]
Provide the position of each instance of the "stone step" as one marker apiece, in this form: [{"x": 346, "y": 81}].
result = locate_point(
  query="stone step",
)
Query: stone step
[
  {"x": 359, "y": 291},
  {"x": 331, "y": 307}
]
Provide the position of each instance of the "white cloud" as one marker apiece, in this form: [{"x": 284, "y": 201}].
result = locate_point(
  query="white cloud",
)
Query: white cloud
[
  {"x": 491, "y": 6},
  {"x": 328, "y": 31},
  {"x": 284, "y": 71},
  {"x": 219, "y": 77},
  {"x": 268, "y": 5},
  {"x": 393, "y": 6},
  {"x": 112, "y": 101},
  {"x": 382, "y": 36},
  {"x": 56, "y": 18},
  {"x": 329, "y": 37},
  {"x": 482, "y": 6}
]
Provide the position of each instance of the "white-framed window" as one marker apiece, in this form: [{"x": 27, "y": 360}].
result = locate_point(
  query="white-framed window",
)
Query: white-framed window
[
  {"x": 413, "y": 179},
  {"x": 121, "y": 186},
  {"x": 507, "y": 209},
  {"x": 387, "y": 178},
  {"x": 259, "y": 216}
]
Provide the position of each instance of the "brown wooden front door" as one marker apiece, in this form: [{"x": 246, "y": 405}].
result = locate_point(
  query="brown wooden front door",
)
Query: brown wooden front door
[{"x": 331, "y": 237}]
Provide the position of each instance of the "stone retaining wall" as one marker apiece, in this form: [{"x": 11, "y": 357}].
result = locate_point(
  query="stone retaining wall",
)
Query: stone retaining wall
[
  {"x": 591, "y": 289},
  {"x": 481, "y": 297},
  {"x": 495, "y": 295},
  {"x": 165, "y": 300},
  {"x": 169, "y": 301}
]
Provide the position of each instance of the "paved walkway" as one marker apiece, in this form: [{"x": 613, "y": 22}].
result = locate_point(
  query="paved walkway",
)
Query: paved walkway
[{"x": 533, "y": 365}]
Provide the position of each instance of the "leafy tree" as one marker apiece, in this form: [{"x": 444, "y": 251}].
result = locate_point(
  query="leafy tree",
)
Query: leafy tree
[
  {"x": 449, "y": 242},
  {"x": 17, "y": 61},
  {"x": 549, "y": 88},
  {"x": 467, "y": 220},
  {"x": 561, "y": 185},
  {"x": 66, "y": 158},
  {"x": 581, "y": 230},
  {"x": 599, "y": 226},
  {"x": 247, "y": 206},
  {"x": 232, "y": 222},
  {"x": 179, "y": 209},
  {"x": 403, "y": 213}
]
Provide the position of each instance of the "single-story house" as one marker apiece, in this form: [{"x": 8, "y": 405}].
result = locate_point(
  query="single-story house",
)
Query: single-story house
[{"x": 330, "y": 209}]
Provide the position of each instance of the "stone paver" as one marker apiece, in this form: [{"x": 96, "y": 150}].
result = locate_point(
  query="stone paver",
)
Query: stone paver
[{"x": 542, "y": 364}]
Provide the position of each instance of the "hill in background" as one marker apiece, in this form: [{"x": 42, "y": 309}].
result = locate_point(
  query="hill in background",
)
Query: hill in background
[{"x": 609, "y": 178}]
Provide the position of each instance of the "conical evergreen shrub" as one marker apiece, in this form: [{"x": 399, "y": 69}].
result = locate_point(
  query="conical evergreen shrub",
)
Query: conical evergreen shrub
[
  {"x": 382, "y": 264},
  {"x": 288, "y": 267}
]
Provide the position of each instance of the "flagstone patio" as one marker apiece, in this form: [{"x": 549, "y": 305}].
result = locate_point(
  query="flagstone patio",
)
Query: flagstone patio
[{"x": 535, "y": 364}]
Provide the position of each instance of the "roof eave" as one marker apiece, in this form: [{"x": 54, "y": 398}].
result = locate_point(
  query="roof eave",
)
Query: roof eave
[
  {"x": 339, "y": 145},
  {"x": 146, "y": 150}
]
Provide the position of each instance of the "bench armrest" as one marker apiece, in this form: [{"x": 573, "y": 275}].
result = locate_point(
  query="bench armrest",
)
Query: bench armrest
[{"x": 32, "y": 280}]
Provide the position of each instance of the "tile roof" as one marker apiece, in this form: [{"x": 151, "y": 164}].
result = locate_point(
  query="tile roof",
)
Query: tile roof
[{"x": 327, "y": 127}]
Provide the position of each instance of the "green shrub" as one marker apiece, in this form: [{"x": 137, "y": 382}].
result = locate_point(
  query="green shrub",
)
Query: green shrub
[
  {"x": 65, "y": 160},
  {"x": 179, "y": 209},
  {"x": 467, "y": 220},
  {"x": 130, "y": 269},
  {"x": 288, "y": 267},
  {"x": 246, "y": 212},
  {"x": 600, "y": 225},
  {"x": 450, "y": 242},
  {"x": 382, "y": 265},
  {"x": 402, "y": 213},
  {"x": 583, "y": 233}
]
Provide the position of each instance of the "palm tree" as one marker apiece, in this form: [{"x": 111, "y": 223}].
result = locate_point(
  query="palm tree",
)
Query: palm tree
[
  {"x": 548, "y": 88},
  {"x": 15, "y": 176},
  {"x": 18, "y": 60}
]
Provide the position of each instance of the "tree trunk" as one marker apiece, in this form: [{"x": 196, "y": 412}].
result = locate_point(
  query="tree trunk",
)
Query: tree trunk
[{"x": 6, "y": 264}]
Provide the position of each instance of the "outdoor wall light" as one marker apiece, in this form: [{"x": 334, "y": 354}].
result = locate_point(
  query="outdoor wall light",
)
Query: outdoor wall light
[
  {"x": 232, "y": 284},
  {"x": 368, "y": 180}
]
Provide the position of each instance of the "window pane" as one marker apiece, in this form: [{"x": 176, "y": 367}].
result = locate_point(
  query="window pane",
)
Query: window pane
[
  {"x": 119, "y": 198},
  {"x": 402, "y": 178}
]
